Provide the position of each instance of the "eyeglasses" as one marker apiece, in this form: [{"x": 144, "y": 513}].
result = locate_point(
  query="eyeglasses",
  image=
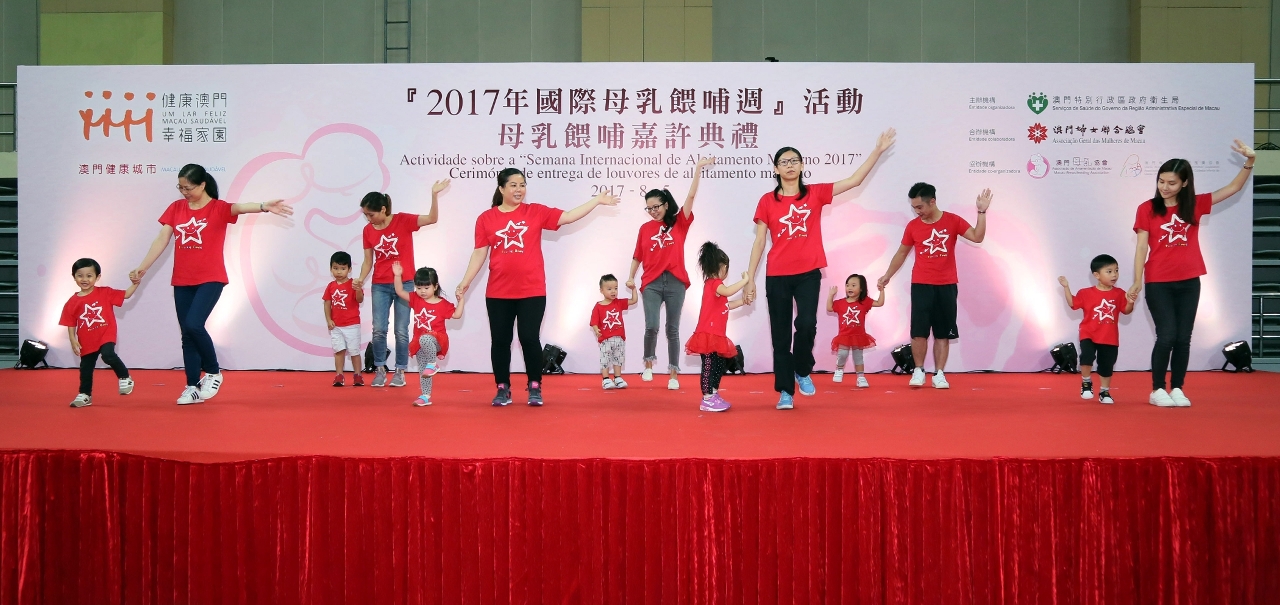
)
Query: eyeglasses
[
  {"x": 187, "y": 189},
  {"x": 790, "y": 162},
  {"x": 655, "y": 207}
]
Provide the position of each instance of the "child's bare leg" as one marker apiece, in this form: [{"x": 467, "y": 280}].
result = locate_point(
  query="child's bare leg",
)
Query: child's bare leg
[
  {"x": 356, "y": 366},
  {"x": 339, "y": 361},
  {"x": 1085, "y": 371},
  {"x": 1105, "y": 381},
  {"x": 617, "y": 371}
]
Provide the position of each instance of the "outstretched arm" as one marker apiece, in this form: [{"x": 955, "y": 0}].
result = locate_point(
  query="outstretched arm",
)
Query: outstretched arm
[
  {"x": 573, "y": 216},
  {"x": 978, "y": 232},
  {"x": 687, "y": 208},
  {"x": 1242, "y": 177},
  {"x": 432, "y": 216},
  {"x": 273, "y": 206},
  {"x": 898, "y": 258},
  {"x": 157, "y": 246},
  {"x": 1066, "y": 291},
  {"x": 882, "y": 145}
]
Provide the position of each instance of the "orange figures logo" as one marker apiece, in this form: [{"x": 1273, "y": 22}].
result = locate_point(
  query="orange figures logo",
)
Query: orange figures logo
[{"x": 107, "y": 123}]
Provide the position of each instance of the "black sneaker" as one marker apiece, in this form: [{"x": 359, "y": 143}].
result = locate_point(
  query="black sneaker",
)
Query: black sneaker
[
  {"x": 1104, "y": 396},
  {"x": 1086, "y": 390},
  {"x": 535, "y": 394},
  {"x": 504, "y": 395}
]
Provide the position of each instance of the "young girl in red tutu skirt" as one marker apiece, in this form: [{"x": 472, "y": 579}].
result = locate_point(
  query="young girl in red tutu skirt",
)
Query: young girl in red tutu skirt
[
  {"x": 709, "y": 340},
  {"x": 851, "y": 313}
]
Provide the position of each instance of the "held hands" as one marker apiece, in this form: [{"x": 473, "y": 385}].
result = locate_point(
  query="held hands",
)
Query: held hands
[
  {"x": 984, "y": 200},
  {"x": 882, "y": 282},
  {"x": 439, "y": 186},
  {"x": 886, "y": 140},
  {"x": 459, "y": 291},
  {"x": 1133, "y": 291},
  {"x": 749, "y": 292},
  {"x": 1131, "y": 296},
  {"x": 277, "y": 207},
  {"x": 135, "y": 276},
  {"x": 631, "y": 284},
  {"x": 1239, "y": 147}
]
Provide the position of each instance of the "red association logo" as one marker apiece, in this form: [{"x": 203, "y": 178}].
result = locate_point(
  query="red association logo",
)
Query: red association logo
[{"x": 1037, "y": 133}]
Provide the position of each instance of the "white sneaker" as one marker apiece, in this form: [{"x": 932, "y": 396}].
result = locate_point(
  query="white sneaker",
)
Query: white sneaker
[
  {"x": 862, "y": 382},
  {"x": 647, "y": 376},
  {"x": 673, "y": 385},
  {"x": 917, "y": 378},
  {"x": 606, "y": 384},
  {"x": 1179, "y": 399},
  {"x": 839, "y": 377},
  {"x": 619, "y": 383},
  {"x": 126, "y": 386},
  {"x": 189, "y": 396},
  {"x": 940, "y": 381},
  {"x": 1162, "y": 399},
  {"x": 81, "y": 401},
  {"x": 209, "y": 385}
]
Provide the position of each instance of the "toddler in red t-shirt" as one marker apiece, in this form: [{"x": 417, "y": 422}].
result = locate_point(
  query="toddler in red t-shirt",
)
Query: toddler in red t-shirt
[
  {"x": 606, "y": 322},
  {"x": 342, "y": 299},
  {"x": 851, "y": 317},
  {"x": 91, "y": 326},
  {"x": 429, "y": 340},
  {"x": 709, "y": 340},
  {"x": 1099, "y": 331}
]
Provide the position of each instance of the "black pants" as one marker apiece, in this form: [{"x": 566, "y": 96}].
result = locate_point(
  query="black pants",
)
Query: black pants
[
  {"x": 792, "y": 358},
  {"x": 89, "y": 360},
  {"x": 1105, "y": 354},
  {"x": 1173, "y": 309},
  {"x": 712, "y": 371},
  {"x": 504, "y": 313},
  {"x": 194, "y": 304}
]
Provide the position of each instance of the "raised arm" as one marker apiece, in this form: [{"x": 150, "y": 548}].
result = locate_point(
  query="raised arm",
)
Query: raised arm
[
  {"x": 687, "y": 208},
  {"x": 635, "y": 295},
  {"x": 397, "y": 272},
  {"x": 157, "y": 246},
  {"x": 757, "y": 250},
  {"x": 1139, "y": 264},
  {"x": 365, "y": 268},
  {"x": 831, "y": 300},
  {"x": 731, "y": 289},
  {"x": 879, "y": 299},
  {"x": 473, "y": 267},
  {"x": 631, "y": 277},
  {"x": 359, "y": 290},
  {"x": 978, "y": 232},
  {"x": 432, "y": 216},
  {"x": 882, "y": 144},
  {"x": 133, "y": 286},
  {"x": 899, "y": 257},
  {"x": 572, "y": 216},
  {"x": 1242, "y": 177},
  {"x": 273, "y": 206},
  {"x": 457, "y": 310},
  {"x": 1066, "y": 291}
]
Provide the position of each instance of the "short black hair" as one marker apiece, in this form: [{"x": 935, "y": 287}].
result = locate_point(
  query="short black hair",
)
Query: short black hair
[
  {"x": 340, "y": 258},
  {"x": 1101, "y": 262},
  {"x": 607, "y": 277},
  {"x": 86, "y": 262},
  {"x": 923, "y": 191}
]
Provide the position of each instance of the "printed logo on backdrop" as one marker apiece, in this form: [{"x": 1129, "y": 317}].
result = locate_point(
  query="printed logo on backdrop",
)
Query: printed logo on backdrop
[
  {"x": 186, "y": 117},
  {"x": 1151, "y": 101},
  {"x": 1037, "y": 166},
  {"x": 1037, "y": 102},
  {"x": 1082, "y": 165}
]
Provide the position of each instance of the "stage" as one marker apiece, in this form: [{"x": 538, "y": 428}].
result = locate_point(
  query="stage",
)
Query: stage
[{"x": 1007, "y": 488}]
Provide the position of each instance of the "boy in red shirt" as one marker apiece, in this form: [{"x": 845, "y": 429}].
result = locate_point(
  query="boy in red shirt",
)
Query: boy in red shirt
[
  {"x": 342, "y": 314},
  {"x": 1099, "y": 332},
  {"x": 91, "y": 326},
  {"x": 606, "y": 322}
]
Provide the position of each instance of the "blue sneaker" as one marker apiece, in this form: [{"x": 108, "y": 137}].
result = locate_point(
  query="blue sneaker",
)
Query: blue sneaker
[
  {"x": 806, "y": 385},
  {"x": 785, "y": 401}
]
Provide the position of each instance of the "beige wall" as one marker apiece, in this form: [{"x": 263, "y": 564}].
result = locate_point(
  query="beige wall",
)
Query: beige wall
[
  {"x": 106, "y": 32},
  {"x": 646, "y": 30}
]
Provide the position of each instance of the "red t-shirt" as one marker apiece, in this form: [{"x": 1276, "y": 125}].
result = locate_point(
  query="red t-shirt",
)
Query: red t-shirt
[
  {"x": 935, "y": 245},
  {"x": 660, "y": 249},
  {"x": 343, "y": 307},
  {"x": 93, "y": 317},
  {"x": 392, "y": 243},
  {"x": 197, "y": 241},
  {"x": 516, "y": 269},
  {"x": 609, "y": 318},
  {"x": 796, "y": 229},
  {"x": 852, "y": 315},
  {"x": 714, "y": 316},
  {"x": 1101, "y": 312},
  {"x": 1174, "y": 244},
  {"x": 429, "y": 318}
]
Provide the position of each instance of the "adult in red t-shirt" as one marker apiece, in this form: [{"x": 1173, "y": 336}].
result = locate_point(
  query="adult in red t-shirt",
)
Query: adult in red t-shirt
[
  {"x": 791, "y": 215},
  {"x": 389, "y": 238},
  {"x": 1168, "y": 260},
  {"x": 933, "y": 234},
  {"x": 198, "y": 225},
  {"x": 510, "y": 235},
  {"x": 660, "y": 250}
]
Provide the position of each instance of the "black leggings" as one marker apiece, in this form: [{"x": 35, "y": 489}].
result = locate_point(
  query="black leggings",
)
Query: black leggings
[
  {"x": 792, "y": 358},
  {"x": 89, "y": 360},
  {"x": 1105, "y": 354},
  {"x": 1173, "y": 309},
  {"x": 503, "y": 316},
  {"x": 712, "y": 371}
]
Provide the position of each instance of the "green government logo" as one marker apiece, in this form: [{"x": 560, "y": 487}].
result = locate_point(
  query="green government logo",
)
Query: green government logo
[{"x": 1038, "y": 102}]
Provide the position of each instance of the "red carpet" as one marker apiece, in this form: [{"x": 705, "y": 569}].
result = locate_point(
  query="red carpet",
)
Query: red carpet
[{"x": 1005, "y": 489}]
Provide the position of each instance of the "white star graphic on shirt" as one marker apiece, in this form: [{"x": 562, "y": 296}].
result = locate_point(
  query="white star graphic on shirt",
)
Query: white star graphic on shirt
[
  {"x": 387, "y": 246},
  {"x": 1105, "y": 310},
  {"x": 424, "y": 318},
  {"x": 796, "y": 219},
  {"x": 190, "y": 231},
  {"x": 512, "y": 235},
  {"x": 1176, "y": 229},
  {"x": 661, "y": 239},
  {"x": 852, "y": 316},
  {"x": 92, "y": 315},
  {"x": 937, "y": 241},
  {"x": 339, "y": 299},
  {"x": 612, "y": 319}
]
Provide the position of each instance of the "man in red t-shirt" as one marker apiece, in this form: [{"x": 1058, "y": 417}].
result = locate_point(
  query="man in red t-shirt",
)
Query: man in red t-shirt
[{"x": 933, "y": 235}]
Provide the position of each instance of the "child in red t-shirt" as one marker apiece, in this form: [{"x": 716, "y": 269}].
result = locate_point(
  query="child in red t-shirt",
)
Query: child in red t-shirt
[
  {"x": 1099, "y": 331},
  {"x": 91, "y": 326},
  {"x": 851, "y": 315},
  {"x": 709, "y": 340},
  {"x": 430, "y": 340},
  {"x": 342, "y": 314},
  {"x": 606, "y": 322}
]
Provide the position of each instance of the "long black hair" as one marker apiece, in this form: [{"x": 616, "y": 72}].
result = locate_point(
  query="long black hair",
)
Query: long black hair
[
  {"x": 778, "y": 177},
  {"x": 196, "y": 175},
  {"x": 426, "y": 276},
  {"x": 710, "y": 259},
  {"x": 375, "y": 201},
  {"x": 668, "y": 217},
  {"x": 503, "y": 177},
  {"x": 1186, "y": 197},
  {"x": 862, "y": 286}
]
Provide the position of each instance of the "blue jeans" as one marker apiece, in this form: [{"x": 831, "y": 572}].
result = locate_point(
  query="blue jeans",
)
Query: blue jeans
[
  {"x": 194, "y": 304},
  {"x": 383, "y": 297}
]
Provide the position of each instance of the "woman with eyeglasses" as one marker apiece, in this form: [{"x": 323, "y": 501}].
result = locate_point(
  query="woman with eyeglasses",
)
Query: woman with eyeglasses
[
  {"x": 660, "y": 250},
  {"x": 792, "y": 215},
  {"x": 198, "y": 225}
]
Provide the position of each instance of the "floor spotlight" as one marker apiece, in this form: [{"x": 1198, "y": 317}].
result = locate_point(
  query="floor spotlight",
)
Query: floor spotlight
[
  {"x": 31, "y": 354},
  {"x": 1239, "y": 357},
  {"x": 1064, "y": 358}
]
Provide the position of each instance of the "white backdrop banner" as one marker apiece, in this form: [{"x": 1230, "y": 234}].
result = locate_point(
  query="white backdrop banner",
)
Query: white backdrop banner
[{"x": 1069, "y": 151}]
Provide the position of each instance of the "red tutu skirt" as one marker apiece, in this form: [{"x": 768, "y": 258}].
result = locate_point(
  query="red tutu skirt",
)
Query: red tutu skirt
[
  {"x": 853, "y": 341},
  {"x": 702, "y": 343},
  {"x": 442, "y": 339}
]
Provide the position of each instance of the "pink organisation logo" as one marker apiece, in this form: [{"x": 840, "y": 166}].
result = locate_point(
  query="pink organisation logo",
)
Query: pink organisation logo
[
  {"x": 285, "y": 270},
  {"x": 1037, "y": 166}
]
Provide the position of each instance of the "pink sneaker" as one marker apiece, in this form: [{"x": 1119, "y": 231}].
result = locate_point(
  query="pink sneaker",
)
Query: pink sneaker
[
  {"x": 429, "y": 370},
  {"x": 715, "y": 404}
]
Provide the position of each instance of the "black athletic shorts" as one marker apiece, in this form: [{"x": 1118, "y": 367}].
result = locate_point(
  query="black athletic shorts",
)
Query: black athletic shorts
[{"x": 933, "y": 308}]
